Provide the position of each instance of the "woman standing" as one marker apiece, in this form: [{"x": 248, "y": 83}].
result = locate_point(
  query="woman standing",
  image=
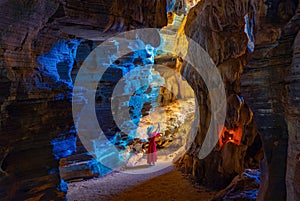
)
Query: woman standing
[{"x": 151, "y": 153}]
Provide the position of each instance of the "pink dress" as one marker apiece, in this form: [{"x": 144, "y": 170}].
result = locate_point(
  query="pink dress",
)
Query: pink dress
[{"x": 151, "y": 153}]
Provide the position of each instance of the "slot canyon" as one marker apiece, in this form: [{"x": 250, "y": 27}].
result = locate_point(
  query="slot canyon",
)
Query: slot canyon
[{"x": 82, "y": 83}]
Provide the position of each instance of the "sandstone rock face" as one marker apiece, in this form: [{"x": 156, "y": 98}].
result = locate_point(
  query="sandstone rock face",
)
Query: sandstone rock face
[
  {"x": 36, "y": 116},
  {"x": 31, "y": 170},
  {"x": 218, "y": 26},
  {"x": 30, "y": 117},
  {"x": 130, "y": 14},
  {"x": 269, "y": 91},
  {"x": 268, "y": 86},
  {"x": 292, "y": 118}
]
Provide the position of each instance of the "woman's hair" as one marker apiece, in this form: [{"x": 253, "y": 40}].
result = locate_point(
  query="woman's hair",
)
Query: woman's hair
[{"x": 150, "y": 129}]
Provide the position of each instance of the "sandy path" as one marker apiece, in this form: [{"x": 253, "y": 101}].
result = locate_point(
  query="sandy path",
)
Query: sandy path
[{"x": 165, "y": 185}]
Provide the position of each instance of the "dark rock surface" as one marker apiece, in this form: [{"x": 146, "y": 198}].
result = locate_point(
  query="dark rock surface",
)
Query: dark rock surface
[
  {"x": 131, "y": 14},
  {"x": 36, "y": 113},
  {"x": 243, "y": 187},
  {"x": 267, "y": 79},
  {"x": 269, "y": 86},
  {"x": 292, "y": 118}
]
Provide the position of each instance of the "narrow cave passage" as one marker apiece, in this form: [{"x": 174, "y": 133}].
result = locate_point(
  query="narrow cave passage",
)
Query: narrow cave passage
[
  {"x": 142, "y": 95},
  {"x": 145, "y": 87},
  {"x": 85, "y": 84}
]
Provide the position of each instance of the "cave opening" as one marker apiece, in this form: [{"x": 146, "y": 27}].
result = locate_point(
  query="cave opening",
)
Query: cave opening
[{"x": 237, "y": 136}]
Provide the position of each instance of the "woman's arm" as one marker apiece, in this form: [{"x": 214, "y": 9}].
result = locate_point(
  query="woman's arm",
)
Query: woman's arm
[{"x": 158, "y": 128}]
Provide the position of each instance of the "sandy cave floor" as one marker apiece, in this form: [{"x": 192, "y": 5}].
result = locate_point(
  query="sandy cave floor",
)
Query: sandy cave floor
[
  {"x": 167, "y": 184},
  {"x": 148, "y": 183}
]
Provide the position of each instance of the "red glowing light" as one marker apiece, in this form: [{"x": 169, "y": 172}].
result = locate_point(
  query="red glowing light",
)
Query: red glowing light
[{"x": 230, "y": 135}]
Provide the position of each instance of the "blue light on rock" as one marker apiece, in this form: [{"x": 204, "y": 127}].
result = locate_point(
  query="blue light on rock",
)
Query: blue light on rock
[
  {"x": 136, "y": 104},
  {"x": 253, "y": 174},
  {"x": 249, "y": 31},
  {"x": 52, "y": 171},
  {"x": 63, "y": 146},
  {"x": 170, "y": 5},
  {"x": 63, "y": 186},
  {"x": 98, "y": 168},
  {"x": 141, "y": 83},
  {"x": 58, "y": 62}
]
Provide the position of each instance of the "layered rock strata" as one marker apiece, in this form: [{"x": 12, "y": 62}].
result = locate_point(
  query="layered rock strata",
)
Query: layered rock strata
[
  {"x": 218, "y": 26},
  {"x": 36, "y": 114}
]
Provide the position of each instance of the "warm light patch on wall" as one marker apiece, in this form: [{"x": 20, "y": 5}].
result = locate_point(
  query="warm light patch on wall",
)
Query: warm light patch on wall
[
  {"x": 181, "y": 45},
  {"x": 230, "y": 135},
  {"x": 191, "y": 3}
]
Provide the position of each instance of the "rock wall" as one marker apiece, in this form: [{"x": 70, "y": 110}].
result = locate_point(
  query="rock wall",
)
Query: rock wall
[
  {"x": 292, "y": 118},
  {"x": 267, "y": 79},
  {"x": 36, "y": 116},
  {"x": 243, "y": 187},
  {"x": 31, "y": 117},
  {"x": 268, "y": 85},
  {"x": 218, "y": 26},
  {"x": 35, "y": 103},
  {"x": 132, "y": 14}
]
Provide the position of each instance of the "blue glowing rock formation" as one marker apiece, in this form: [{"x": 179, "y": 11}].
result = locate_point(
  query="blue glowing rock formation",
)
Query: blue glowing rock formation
[
  {"x": 65, "y": 145},
  {"x": 59, "y": 61},
  {"x": 249, "y": 31},
  {"x": 141, "y": 85}
]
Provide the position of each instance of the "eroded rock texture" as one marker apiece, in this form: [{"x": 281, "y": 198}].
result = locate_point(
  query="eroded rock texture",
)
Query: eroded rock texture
[
  {"x": 218, "y": 26},
  {"x": 36, "y": 116},
  {"x": 292, "y": 118},
  {"x": 130, "y": 14},
  {"x": 243, "y": 187},
  {"x": 31, "y": 117},
  {"x": 268, "y": 86},
  {"x": 35, "y": 93}
]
